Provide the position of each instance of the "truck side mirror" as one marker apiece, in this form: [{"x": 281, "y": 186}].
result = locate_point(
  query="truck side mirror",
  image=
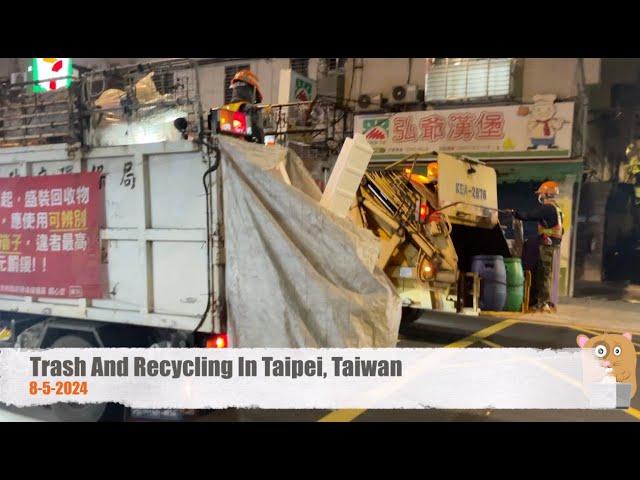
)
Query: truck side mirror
[{"x": 181, "y": 125}]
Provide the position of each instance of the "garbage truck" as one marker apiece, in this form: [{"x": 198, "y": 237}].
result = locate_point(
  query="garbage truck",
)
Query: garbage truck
[
  {"x": 431, "y": 227},
  {"x": 113, "y": 233}
]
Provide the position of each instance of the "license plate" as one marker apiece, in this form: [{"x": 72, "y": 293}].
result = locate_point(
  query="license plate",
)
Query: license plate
[{"x": 156, "y": 414}]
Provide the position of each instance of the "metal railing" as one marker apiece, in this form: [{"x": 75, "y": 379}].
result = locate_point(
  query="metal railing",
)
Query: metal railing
[
  {"x": 72, "y": 115},
  {"x": 29, "y": 118}
]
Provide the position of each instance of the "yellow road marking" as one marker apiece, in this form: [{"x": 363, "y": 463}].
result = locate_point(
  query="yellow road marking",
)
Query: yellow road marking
[
  {"x": 481, "y": 334},
  {"x": 634, "y": 412},
  {"x": 490, "y": 343},
  {"x": 535, "y": 321},
  {"x": 557, "y": 374},
  {"x": 584, "y": 330},
  {"x": 342, "y": 415},
  {"x": 591, "y": 332},
  {"x": 348, "y": 415}
]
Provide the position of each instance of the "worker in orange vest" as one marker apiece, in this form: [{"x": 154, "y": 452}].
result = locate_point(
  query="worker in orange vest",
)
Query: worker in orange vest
[{"x": 550, "y": 231}]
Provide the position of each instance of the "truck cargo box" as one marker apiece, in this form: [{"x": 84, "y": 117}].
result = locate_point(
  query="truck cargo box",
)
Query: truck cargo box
[{"x": 154, "y": 240}]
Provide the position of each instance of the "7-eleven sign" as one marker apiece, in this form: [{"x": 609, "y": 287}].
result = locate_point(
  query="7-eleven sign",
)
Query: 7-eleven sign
[{"x": 51, "y": 73}]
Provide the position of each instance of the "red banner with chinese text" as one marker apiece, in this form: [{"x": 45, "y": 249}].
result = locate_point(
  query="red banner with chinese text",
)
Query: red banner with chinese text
[{"x": 50, "y": 236}]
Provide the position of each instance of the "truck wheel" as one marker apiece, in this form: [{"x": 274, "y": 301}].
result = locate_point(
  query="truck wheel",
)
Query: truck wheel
[
  {"x": 90, "y": 412},
  {"x": 410, "y": 315}
]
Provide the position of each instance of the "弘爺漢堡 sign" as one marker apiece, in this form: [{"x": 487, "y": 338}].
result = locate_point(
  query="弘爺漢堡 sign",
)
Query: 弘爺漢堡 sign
[{"x": 542, "y": 129}]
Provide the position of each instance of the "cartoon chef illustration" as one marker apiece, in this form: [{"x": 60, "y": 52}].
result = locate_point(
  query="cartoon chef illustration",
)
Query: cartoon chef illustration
[{"x": 543, "y": 124}]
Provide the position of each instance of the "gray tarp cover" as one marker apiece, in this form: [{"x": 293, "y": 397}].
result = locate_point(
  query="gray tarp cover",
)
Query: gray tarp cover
[{"x": 296, "y": 274}]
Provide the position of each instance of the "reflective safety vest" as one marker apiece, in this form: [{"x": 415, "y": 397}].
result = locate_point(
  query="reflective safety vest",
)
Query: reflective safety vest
[
  {"x": 634, "y": 165},
  {"x": 554, "y": 231},
  {"x": 234, "y": 107}
]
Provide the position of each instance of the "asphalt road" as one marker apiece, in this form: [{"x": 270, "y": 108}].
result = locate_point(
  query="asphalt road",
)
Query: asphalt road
[
  {"x": 439, "y": 330},
  {"x": 432, "y": 330}
]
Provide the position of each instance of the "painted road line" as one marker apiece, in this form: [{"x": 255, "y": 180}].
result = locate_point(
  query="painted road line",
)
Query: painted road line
[
  {"x": 490, "y": 343},
  {"x": 634, "y": 412},
  {"x": 591, "y": 332},
  {"x": 482, "y": 334},
  {"x": 350, "y": 415},
  {"x": 579, "y": 327},
  {"x": 557, "y": 374},
  {"x": 585, "y": 330},
  {"x": 342, "y": 415}
]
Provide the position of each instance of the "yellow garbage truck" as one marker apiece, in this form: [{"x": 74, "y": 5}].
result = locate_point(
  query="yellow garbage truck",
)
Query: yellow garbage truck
[{"x": 430, "y": 227}]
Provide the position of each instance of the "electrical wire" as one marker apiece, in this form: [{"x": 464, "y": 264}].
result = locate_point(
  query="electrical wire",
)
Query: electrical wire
[{"x": 208, "y": 172}]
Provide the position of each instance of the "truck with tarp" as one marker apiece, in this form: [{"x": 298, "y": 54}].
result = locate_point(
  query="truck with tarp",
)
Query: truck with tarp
[{"x": 124, "y": 222}]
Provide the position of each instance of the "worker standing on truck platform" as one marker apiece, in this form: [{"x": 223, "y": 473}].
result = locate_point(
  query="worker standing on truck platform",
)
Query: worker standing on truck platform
[
  {"x": 245, "y": 96},
  {"x": 245, "y": 88},
  {"x": 550, "y": 231}
]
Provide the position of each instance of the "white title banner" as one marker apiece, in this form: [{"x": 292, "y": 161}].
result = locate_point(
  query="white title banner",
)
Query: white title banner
[{"x": 311, "y": 378}]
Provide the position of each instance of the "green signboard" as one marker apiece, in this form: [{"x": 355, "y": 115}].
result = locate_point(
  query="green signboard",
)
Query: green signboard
[{"x": 51, "y": 74}]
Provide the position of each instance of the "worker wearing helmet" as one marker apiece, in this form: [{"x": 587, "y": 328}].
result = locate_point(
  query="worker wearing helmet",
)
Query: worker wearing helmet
[
  {"x": 245, "y": 88},
  {"x": 245, "y": 95},
  {"x": 550, "y": 231}
]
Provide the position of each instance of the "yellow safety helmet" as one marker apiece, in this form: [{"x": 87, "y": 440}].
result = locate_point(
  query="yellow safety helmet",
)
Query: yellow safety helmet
[
  {"x": 549, "y": 189},
  {"x": 250, "y": 78}
]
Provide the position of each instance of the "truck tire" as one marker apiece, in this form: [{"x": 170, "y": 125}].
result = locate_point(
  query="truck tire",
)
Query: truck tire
[
  {"x": 90, "y": 412},
  {"x": 410, "y": 315}
]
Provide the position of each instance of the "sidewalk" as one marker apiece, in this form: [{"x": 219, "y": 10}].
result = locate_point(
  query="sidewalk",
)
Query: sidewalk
[
  {"x": 602, "y": 310},
  {"x": 594, "y": 313}
]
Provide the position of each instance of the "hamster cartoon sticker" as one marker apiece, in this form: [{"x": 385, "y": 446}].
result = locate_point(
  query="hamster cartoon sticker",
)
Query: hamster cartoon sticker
[
  {"x": 617, "y": 354},
  {"x": 543, "y": 125}
]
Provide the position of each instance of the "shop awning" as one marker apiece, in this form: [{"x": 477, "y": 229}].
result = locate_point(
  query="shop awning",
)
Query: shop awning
[
  {"x": 511, "y": 171},
  {"x": 527, "y": 171}
]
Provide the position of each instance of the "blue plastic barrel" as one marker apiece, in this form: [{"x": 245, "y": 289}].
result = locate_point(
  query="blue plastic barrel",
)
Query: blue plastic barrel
[{"x": 493, "y": 283}]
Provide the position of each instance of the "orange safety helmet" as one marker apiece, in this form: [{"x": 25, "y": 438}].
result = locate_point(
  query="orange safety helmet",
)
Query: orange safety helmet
[
  {"x": 250, "y": 78},
  {"x": 549, "y": 189}
]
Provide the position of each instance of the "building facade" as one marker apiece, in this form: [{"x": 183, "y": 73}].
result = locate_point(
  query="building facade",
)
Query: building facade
[{"x": 490, "y": 95}]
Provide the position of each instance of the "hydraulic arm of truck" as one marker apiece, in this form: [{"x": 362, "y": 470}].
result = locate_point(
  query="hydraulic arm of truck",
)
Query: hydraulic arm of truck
[{"x": 396, "y": 205}]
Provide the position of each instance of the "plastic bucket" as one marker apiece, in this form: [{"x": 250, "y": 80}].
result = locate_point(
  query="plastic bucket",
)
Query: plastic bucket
[
  {"x": 493, "y": 285},
  {"x": 515, "y": 284}
]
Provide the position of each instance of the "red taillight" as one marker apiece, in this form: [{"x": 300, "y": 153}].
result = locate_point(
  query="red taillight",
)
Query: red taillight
[
  {"x": 422, "y": 211},
  {"x": 239, "y": 123},
  {"x": 218, "y": 340},
  {"x": 233, "y": 122}
]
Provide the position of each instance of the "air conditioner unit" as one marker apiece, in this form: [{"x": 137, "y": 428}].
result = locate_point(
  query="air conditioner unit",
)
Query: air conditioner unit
[
  {"x": 369, "y": 102},
  {"x": 19, "y": 77},
  {"x": 406, "y": 94}
]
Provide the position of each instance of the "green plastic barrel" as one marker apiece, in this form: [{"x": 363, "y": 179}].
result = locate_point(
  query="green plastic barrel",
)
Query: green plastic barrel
[{"x": 515, "y": 284}]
